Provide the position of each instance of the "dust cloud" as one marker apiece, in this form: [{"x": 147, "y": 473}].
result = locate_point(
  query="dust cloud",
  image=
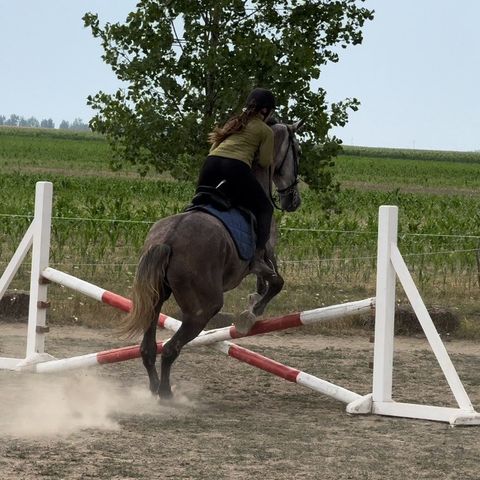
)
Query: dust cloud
[{"x": 50, "y": 405}]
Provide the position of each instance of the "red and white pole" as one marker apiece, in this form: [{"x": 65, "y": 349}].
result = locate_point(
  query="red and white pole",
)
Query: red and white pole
[
  {"x": 240, "y": 353},
  {"x": 308, "y": 317},
  {"x": 88, "y": 289},
  {"x": 216, "y": 337}
]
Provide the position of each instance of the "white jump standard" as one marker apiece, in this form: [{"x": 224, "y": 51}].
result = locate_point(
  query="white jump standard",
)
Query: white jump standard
[{"x": 390, "y": 264}]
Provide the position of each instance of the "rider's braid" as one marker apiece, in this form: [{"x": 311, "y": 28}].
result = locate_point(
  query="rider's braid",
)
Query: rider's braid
[{"x": 236, "y": 124}]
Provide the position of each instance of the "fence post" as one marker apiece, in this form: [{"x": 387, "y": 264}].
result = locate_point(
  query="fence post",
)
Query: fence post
[
  {"x": 385, "y": 305},
  {"x": 37, "y": 311}
]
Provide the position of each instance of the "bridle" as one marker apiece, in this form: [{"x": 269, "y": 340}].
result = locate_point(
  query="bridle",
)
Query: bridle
[{"x": 291, "y": 188}]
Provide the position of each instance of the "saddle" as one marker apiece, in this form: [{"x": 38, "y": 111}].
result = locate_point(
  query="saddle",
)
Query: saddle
[
  {"x": 206, "y": 195},
  {"x": 239, "y": 222}
]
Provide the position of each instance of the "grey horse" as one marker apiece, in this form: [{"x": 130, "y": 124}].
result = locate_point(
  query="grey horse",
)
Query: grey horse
[{"x": 193, "y": 256}]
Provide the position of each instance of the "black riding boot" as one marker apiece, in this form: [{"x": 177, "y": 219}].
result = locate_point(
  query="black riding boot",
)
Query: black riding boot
[{"x": 261, "y": 265}]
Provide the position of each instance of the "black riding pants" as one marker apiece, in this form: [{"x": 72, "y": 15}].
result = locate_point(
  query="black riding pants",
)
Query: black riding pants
[{"x": 242, "y": 188}]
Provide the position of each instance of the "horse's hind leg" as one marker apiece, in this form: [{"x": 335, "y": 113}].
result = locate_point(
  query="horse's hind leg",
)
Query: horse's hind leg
[
  {"x": 148, "y": 347},
  {"x": 195, "y": 315},
  {"x": 148, "y": 350},
  {"x": 171, "y": 350}
]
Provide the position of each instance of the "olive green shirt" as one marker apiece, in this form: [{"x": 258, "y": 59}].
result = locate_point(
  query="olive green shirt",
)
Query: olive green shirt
[{"x": 257, "y": 136}]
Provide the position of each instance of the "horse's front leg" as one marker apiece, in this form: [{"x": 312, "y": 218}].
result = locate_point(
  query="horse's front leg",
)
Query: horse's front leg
[
  {"x": 274, "y": 285},
  {"x": 261, "y": 287},
  {"x": 267, "y": 287}
]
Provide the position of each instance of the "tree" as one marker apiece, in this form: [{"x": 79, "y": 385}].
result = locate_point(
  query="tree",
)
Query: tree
[
  {"x": 78, "y": 124},
  {"x": 2, "y": 119},
  {"x": 64, "y": 125},
  {"x": 13, "y": 120},
  {"x": 33, "y": 122},
  {"x": 47, "y": 123},
  {"x": 23, "y": 122},
  {"x": 178, "y": 88}
]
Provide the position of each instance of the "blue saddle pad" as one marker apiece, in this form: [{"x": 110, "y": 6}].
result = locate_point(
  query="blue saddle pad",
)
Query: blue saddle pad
[{"x": 238, "y": 225}]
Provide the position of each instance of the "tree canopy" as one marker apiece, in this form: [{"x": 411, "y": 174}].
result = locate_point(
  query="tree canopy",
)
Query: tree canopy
[{"x": 189, "y": 65}]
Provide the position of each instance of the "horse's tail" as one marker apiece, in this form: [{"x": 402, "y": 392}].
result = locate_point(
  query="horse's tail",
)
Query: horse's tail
[{"x": 148, "y": 290}]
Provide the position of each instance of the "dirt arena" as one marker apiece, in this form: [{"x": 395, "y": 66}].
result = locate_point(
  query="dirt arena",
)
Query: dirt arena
[{"x": 230, "y": 420}]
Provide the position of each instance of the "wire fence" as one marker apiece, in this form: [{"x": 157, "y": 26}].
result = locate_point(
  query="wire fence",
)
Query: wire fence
[
  {"x": 285, "y": 229},
  {"x": 336, "y": 265},
  {"x": 284, "y": 259}
]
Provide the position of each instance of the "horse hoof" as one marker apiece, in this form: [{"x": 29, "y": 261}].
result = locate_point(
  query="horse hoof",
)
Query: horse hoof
[
  {"x": 165, "y": 395},
  {"x": 245, "y": 322},
  {"x": 154, "y": 390},
  {"x": 165, "y": 392}
]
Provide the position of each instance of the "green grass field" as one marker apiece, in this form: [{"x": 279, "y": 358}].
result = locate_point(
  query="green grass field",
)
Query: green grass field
[{"x": 102, "y": 216}]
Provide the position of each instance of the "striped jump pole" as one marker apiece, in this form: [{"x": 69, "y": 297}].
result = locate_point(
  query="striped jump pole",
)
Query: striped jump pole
[
  {"x": 88, "y": 289},
  {"x": 275, "y": 324},
  {"x": 308, "y": 317},
  {"x": 271, "y": 366},
  {"x": 242, "y": 354},
  {"x": 115, "y": 355},
  {"x": 216, "y": 337}
]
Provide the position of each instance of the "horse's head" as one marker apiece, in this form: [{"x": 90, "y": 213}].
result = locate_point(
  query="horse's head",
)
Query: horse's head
[{"x": 286, "y": 158}]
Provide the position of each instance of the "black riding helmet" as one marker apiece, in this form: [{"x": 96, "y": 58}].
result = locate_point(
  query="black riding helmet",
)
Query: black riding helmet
[{"x": 261, "y": 98}]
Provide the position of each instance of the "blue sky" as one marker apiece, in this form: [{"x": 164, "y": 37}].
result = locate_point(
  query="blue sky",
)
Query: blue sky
[{"x": 416, "y": 73}]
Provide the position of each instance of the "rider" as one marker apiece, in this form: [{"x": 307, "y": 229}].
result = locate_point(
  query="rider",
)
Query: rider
[{"x": 234, "y": 146}]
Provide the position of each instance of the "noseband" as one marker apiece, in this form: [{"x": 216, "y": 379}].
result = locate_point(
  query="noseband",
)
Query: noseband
[{"x": 291, "y": 188}]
